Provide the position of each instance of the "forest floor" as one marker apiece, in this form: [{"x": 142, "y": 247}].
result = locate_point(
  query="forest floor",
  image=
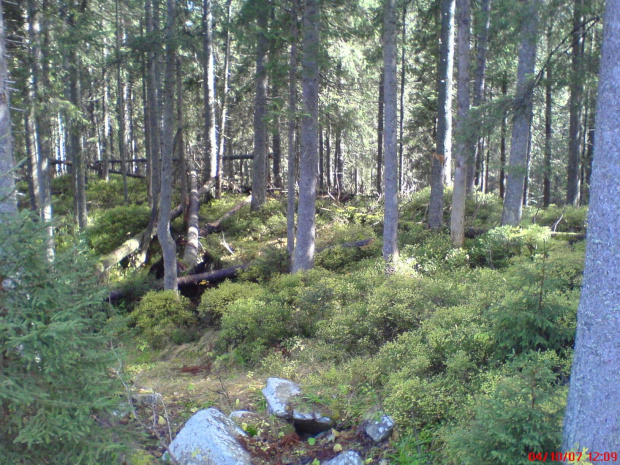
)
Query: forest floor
[{"x": 446, "y": 345}]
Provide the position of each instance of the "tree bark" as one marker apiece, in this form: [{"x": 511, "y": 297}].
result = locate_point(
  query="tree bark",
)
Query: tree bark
[
  {"x": 502, "y": 145},
  {"x": 548, "y": 134},
  {"x": 401, "y": 120},
  {"x": 8, "y": 201},
  {"x": 164, "y": 236},
  {"x": 380, "y": 118},
  {"x": 292, "y": 108},
  {"x": 576, "y": 102},
  {"x": 259, "y": 173},
  {"x": 209, "y": 92},
  {"x": 515, "y": 181},
  {"x": 479, "y": 78},
  {"x": 120, "y": 107},
  {"x": 593, "y": 409},
  {"x": 303, "y": 257},
  {"x": 440, "y": 163},
  {"x": 390, "y": 218},
  {"x": 190, "y": 256},
  {"x": 464, "y": 148},
  {"x": 224, "y": 105}
]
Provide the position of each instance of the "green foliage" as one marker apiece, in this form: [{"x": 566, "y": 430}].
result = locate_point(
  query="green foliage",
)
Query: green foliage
[
  {"x": 55, "y": 385},
  {"x": 432, "y": 251},
  {"x": 215, "y": 301},
  {"x": 563, "y": 219},
  {"x": 104, "y": 195},
  {"x": 270, "y": 262},
  {"x": 521, "y": 413},
  {"x": 267, "y": 222},
  {"x": 496, "y": 246},
  {"x": 114, "y": 226},
  {"x": 164, "y": 316}
]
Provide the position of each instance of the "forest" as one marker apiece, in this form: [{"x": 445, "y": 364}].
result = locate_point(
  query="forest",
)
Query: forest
[{"x": 303, "y": 232}]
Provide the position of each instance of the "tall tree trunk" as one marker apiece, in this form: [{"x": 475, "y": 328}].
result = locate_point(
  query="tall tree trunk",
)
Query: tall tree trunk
[
  {"x": 328, "y": 157},
  {"x": 526, "y": 181},
  {"x": 120, "y": 105},
  {"x": 338, "y": 157},
  {"x": 277, "y": 153},
  {"x": 464, "y": 149},
  {"x": 380, "y": 133},
  {"x": 440, "y": 163},
  {"x": 515, "y": 181},
  {"x": 8, "y": 200},
  {"x": 209, "y": 92},
  {"x": 576, "y": 102},
  {"x": 153, "y": 90},
  {"x": 589, "y": 149},
  {"x": 548, "y": 132},
  {"x": 479, "y": 78},
  {"x": 259, "y": 173},
  {"x": 502, "y": 145},
  {"x": 321, "y": 160},
  {"x": 401, "y": 119},
  {"x": 225, "y": 90},
  {"x": 292, "y": 108},
  {"x": 593, "y": 407},
  {"x": 164, "y": 236},
  {"x": 390, "y": 218},
  {"x": 180, "y": 139},
  {"x": 303, "y": 257},
  {"x": 107, "y": 131}
]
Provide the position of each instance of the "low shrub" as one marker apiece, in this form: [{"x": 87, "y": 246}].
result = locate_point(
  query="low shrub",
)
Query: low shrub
[
  {"x": 56, "y": 387},
  {"x": 520, "y": 413},
  {"x": 114, "y": 226},
  {"x": 164, "y": 316},
  {"x": 561, "y": 219},
  {"x": 215, "y": 301}
]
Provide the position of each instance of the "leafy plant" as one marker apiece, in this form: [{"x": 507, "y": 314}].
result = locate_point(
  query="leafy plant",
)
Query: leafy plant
[{"x": 56, "y": 390}]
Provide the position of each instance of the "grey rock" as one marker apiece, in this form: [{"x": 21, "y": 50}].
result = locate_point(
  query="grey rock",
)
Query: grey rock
[
  {"x": 279, "y": 393},
  {"x": 147, "y": 398},
  {"x": 209, "y": 438},
  {"x": 349, "y": 457},
  {"x": 380, "y": 429},
  {"x": 311, "y": 422},
  {"x": 241, "y": 414}
]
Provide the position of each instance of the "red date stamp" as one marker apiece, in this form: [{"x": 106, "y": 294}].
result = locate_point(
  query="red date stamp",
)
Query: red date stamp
[{"x": 572, "y": 456}]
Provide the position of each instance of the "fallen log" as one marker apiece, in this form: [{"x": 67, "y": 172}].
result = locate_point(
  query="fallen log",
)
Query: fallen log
[
  {"x": 225, "y": 273},
  {"x": 131, "y": 245},
  {"x": 215, "y": 225},
  {"x": 189, "y": 280}
]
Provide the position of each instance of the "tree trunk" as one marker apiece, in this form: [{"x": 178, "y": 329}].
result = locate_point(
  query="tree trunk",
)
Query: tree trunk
[
  {"x": 328, "y": 157},
  {"x": 390, "y": 218},
  {"x": 576, "y": 102},
  {"x": 440, "y": 163},
  {"x": 120, "y": 105},
  {"x": 77, "y": 156},
  {"x": 401, "y": 119},
  {"x": 515, "y": 181},
  {"x": 479, "y": 78},
  {"x": 292, "y": 108},
  {"x": 464, "y": 148},
  {"x": 380, "y": 133},
  {"x": 502, "y": 145},
  {"x": 8, "y": 201},
  {"x": 548, "y": 134},
  {"x": 225, "y": 90},
  {"x": 321, "y": 160},
  {"x": 303, "y": 257},
  {"x": 259, "y": 173},
  {"x": 593, "y": 407},
  {"x": 166, "y": 241},
  {"x": 190, "y": 257},
  {"x": 211, "y": 160}
]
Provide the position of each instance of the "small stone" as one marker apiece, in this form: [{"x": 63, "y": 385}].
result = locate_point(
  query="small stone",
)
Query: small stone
[
  {"x": 279, "y": 393},
  {"x": 347, "y": 458},
  {"x": 380, "y": 429},
  {"x": 209, "y": 438}
]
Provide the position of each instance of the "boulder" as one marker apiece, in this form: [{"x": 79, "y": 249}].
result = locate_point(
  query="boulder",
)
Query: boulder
[
  {"x": 209, "y": 438},
  {"x": 281, "y": 394},
  {"x": 346, "y": 458},
  {"x": 378, "y": 425},
  {"x": 310, "y": 422}
]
